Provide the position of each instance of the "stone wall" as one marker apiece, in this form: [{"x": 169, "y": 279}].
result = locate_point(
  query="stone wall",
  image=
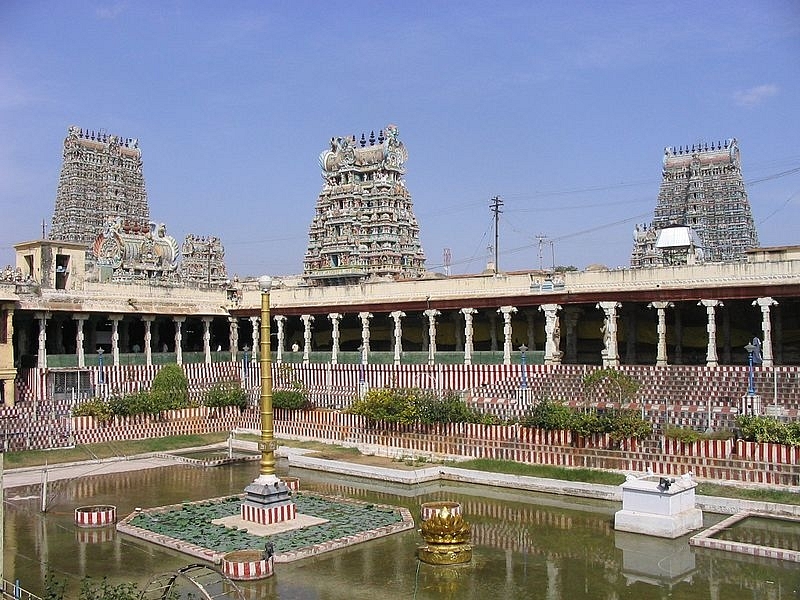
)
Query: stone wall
[{"x": 711, "y": 459}]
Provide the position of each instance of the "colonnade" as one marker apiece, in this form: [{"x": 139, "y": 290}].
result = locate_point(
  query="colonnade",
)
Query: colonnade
[{"x": 555, "y": 349}]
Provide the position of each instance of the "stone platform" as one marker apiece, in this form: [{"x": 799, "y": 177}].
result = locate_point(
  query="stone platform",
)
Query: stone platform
[
  {"x": 659, "y": 506},
  {"x": 208, "y": 529}
]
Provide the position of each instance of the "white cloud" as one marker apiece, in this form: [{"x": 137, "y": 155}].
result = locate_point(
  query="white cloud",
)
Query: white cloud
[
  {"x": 755, "y": 95},
  {"x": 111, "y": 10}
]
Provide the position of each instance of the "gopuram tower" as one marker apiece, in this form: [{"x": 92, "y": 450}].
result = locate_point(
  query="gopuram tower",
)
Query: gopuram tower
[
  {"x": 101, "y": 181},
  {"x": 702, "y": 213},
  {"x": 364, "y": 225}
]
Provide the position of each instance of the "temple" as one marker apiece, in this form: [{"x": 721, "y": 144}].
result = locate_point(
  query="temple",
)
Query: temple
[
  {"x": 364, "y": 226},
  {"x": 702, "y": 213},
  {"x": 101, "y": 207},
  {"x": 365, "y": 312},
  {"x": 101, "y": 180}
]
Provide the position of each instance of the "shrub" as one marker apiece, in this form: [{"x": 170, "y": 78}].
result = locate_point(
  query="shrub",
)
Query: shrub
[
  {"x": 170, "y": 388},
  {"x": 628, "y": 424},
  {"x": 548, "y": 415},
  {"x": 385, "y": 404},
  {"x": 687, "y": 435},
  {"x": 294, "y": 399},
  {"x": 412, "y": 405},
  {"x": 95, "y": 407},
  {"x": 768, "y": 429},
  {"x": 133, "y": 404},
  {"x": 226, "y": 393}
]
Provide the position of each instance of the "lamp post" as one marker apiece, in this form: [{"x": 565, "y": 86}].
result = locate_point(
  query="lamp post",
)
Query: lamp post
[
  {"x": 100, "y": 361},
  {"x": 245, "y": 360},
  {"x": 268, "y": 499},
  {"x": 524, "y": 383},
  {"x": 267, "y": 441},
  {"x": 751, "y": 390}
]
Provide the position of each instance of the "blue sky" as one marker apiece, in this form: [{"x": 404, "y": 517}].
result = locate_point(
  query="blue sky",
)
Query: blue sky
[{"x": 562, "y": 109}]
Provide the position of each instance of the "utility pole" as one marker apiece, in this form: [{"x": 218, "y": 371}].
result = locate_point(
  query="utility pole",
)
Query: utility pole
[{"x": 495, "y": 207}]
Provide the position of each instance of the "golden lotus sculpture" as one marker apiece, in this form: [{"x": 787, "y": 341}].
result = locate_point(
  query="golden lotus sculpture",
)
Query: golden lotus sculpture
[{"x": 447, "y": 538}]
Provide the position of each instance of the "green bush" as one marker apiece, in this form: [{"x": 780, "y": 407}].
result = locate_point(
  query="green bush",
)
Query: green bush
[
  {"x": 768, "y": 429},
  {"x": 133, "y": 404},
  {"x": 687, "y": 435},
  {"x": 588, "y": 423},
  {"x": 620, "y": 424},
  {"x": 447, "y": 409},
  {"x": 294, "y": 399},
  {"x": 628, "y": 424},
  {"x": 548, "y": 415},
  {"x": 95, "y": 407},
  {"x": 226, "y": 393},
  {"x": 170, "y": 388},
  {"x": 412, "y": 405}
]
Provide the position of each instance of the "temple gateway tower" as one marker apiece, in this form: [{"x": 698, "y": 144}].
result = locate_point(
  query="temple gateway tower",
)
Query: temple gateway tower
[
  {"x": 364, "y": 225},
  {"x": 702, "y": 213},
  {"x": 101, "y": 181}
]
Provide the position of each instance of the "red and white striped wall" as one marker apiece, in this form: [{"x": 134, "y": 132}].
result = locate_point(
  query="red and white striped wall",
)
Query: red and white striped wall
[
  {"x": 95, "y": 516},
  {"x": 269, "y": 515}
]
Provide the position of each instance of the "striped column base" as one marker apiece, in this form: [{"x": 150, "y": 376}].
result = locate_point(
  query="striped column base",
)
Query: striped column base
[
  {"x": 247, "y": 565},
  {"x": 430, "y": 509},
  {"x": 95, "y": 516},
  {"x": 267, "y": 515}
]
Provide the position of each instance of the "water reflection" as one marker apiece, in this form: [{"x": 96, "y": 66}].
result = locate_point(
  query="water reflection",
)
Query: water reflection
[{"x": 526, "y": 545}]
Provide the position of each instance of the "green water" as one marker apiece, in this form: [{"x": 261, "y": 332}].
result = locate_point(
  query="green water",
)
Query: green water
[{"x": 526, "y": 545}]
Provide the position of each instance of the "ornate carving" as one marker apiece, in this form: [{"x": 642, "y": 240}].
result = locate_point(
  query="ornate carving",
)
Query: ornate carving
[{"x": 364, "y": 226}]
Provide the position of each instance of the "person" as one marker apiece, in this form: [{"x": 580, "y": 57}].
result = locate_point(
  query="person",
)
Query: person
[{"x": 295, "y": 347}]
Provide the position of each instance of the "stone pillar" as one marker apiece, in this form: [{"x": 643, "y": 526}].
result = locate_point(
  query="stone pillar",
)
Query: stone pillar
[
  {"x": 661, "y": 329},
  {"x": 335, "y": 318},
  {"x": 8, "y": 393},
  {"x": 307, "y": 320},
  {"x": 365, "y": 317},
  {"x": 115, "y": 319},
  {"x": 468, "y": 334},
  {"x": 398, "y": 334},
  {"x": 610, "y": 353},
  {"x": 280, "y": 322},
  {"x": 179, "y": 339},
  {"x": 571, "y": 315},
  {"x": 148, "y": 338},
  {"x": 233, "y": 337},
  {"x": 256, "y": 323},
  {"x": 552, "y": 334},
  {"x": 432, "y": 313},
  {"x": 765, "y": 303},
  {"x": 80, "y": 337},
  {"x": 206, "y": 339},
  {"x": 711, "y": 351},
  {"x": 41, "y": 358},
  {"x": 507, "y": 311}
]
